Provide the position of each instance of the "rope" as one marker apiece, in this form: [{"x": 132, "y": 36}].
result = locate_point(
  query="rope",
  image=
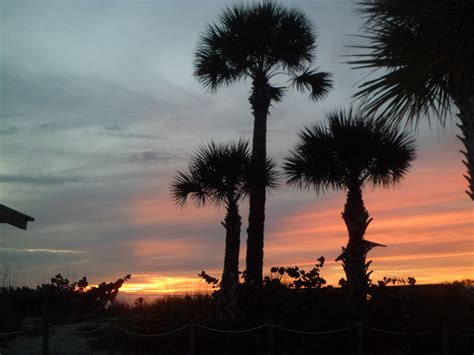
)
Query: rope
[
  {"x": 22, "y": 331},
  {"x": 314, "y": 333},
  {"x": 151, "y": 335},
  {"x": 459, "y": 334},
  {"x": 77, "y": 331},
  {"x": 231, "y": 331},
  {"x": 393, "y": 332}
]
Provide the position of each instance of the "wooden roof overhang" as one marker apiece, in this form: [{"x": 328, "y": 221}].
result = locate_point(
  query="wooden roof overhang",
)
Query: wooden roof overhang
[{"x": 13, "y": 217}]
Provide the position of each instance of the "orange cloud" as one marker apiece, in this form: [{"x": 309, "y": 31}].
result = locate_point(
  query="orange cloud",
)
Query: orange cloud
[{"x": 159, "y": 209}]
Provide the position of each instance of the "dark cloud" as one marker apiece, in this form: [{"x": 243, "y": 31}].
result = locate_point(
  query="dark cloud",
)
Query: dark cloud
[
  {"x": 40, "y": 179},
  {"x": 152, "y": 156},
  {"x": 113, "y": 127},
  {"x": 5, "y": 115},
  {"x": 51, "y": 126},
  {"x": 7, "y": 131}
]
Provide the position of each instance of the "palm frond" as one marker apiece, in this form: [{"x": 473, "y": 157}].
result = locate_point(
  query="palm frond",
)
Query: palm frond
[
  {"x": 217, "y": 173},
  {"x": 423, "y": 52},
  {"x": 316, "y": 83},
  {"x": 271, "y": 175},
  {"x": 312, "y": 164},
  {"x": 276, "y": 93},
  {"x": 393, "y": 159},
  {"x": 184, "y": 185},
  {"x": 211, "y": 67}
]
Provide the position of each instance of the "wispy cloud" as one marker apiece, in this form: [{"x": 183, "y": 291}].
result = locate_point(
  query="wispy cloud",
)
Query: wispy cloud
[
  {"x": 41, "y": 179},
  {"x": 41, "y": 250},
  {"x": 113, "y": 127},
  {"x": 10, "y": 130},
  {"x": 152, "y": 156}
]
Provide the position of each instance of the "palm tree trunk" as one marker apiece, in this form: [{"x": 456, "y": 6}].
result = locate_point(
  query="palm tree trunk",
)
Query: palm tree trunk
[
  {"x": 465, "y": 104},
  {"x": 227, "y": 306},
  {"x": 260, "y": 101},
  {"x": 357, "y": 219}
]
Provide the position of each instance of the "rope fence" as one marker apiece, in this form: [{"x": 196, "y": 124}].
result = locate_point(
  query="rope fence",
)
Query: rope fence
[
  {"x": 115, "y": 327},
  {"x": 23, "y": 331},
  {"x": 111, "y": 329},
  {"x": 304, "y": 332},
  {"x": 463, "y": 333},
  {"x": 231, "y": 331},
  {"x": 391, "y": 332}
]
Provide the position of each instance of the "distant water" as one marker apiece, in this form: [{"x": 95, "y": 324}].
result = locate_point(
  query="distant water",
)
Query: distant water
[{"x": 130, "y": 297}]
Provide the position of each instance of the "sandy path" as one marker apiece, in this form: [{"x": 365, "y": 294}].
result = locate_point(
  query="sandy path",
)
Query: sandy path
[{"x": 64, "y": 340}]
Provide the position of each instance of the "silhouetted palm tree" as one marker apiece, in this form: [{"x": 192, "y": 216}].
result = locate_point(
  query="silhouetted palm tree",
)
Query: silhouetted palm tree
[
  {"x": 260, "y": 42},
  {"x": 425, "y": 50},
  {"x": 221, "y": 174},
  {"x": 348, "y": 154}
]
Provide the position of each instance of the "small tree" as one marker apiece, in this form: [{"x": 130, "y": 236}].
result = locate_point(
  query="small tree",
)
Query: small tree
[
  {"x": 348, "y": 154},
  {"x": 221, "y": 174}
]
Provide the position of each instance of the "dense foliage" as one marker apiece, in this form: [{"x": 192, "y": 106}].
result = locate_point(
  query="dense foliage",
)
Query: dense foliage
[{"x": 60, "y": 296}]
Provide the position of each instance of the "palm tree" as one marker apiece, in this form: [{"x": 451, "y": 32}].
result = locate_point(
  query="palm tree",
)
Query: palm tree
[
  {"x": 221, "y": 174},
  {"x": 425, "y": 52},
  {"x": 349, "y": 154},
  {"x": 260, "y": 42}
]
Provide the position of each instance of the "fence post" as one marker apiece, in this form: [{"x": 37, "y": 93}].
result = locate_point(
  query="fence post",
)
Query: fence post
[
  {"x": 445, "y": 340},
  {"x": 111, "y": 339},
  {"x": 191, "y": 337},
  {"x": 360, "y": 337},
  {"x": 271, "y": 350},
  {"x": 45, "y": 327}
]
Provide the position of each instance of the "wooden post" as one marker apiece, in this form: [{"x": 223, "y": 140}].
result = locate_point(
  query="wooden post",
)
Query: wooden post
[
  {"x": 45, "y": 327},
  {"x": 111, "y": 339},
  {"x": 445, "y": 340},
  {"x": 360, "y": 338},
  {"x": 271, "y": 349},
  {"x": 191, "y": 338}
]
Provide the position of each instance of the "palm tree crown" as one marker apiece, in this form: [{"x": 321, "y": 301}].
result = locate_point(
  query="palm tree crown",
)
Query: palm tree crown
[
  {"x": 263, "y": 40},
  {"x": 350, "y": 151},
  {"x": 218, "y": 173}
]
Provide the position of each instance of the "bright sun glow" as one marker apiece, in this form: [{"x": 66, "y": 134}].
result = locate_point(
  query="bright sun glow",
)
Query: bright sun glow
[{"x": 153, "y": 284}]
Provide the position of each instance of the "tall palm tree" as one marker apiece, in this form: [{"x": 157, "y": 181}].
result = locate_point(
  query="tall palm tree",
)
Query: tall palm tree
[
  {"x": 260, "y": 42},
  {"x": 221, "y": 174},
  {"x": 349, "y": 154},
  {"x": 425, "y": 52}
]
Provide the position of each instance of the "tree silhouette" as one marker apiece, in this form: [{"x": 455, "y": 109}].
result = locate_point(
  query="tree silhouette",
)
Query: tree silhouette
[
  {"x": 260, "y": 42},
  {"x": 221, "y": 174},
  {"x": 425, "y": 52},
  {"x": 348, "y": 154}
]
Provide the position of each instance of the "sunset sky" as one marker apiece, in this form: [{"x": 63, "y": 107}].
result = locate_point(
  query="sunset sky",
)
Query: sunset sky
[{"x": 99, "y": 108}]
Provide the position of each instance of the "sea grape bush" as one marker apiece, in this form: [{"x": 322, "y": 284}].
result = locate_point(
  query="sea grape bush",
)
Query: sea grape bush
[
  {"x": 291, "y": 277},
  {"x": 212, "y": 281},
  {"x": 297, "y": 278},
  {"x": 394, "y": 280}
]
